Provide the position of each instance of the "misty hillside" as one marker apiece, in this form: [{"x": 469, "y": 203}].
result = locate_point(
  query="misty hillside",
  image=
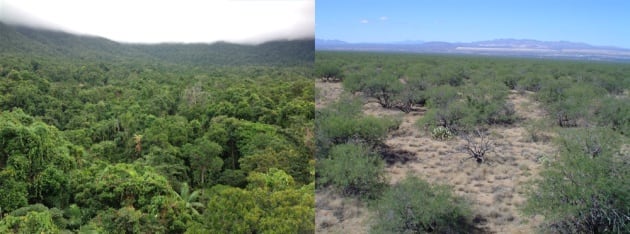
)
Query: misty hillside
[
  {"x": 270, "y": 53},
  {"x": 25, "y": 41}
]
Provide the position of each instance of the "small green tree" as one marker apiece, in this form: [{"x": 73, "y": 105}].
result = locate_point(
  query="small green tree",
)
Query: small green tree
[
  {"x": 354, "y": 170},
  {"x": 343, "y": 123},
  {"x": 328, "y": 72},
  {"x": 384, "y": 87},
  {"x": 415, "y": 206}
]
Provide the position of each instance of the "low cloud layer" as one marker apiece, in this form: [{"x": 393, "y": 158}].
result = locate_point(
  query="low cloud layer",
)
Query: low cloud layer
[{"x": 239, "y": 21}]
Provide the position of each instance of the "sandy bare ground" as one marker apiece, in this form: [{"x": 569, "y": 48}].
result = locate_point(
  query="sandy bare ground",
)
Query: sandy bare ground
[
  {"x": 326, "y": 92},
  {"x": 495, "y": 188},
  {"x": 337, "y": 214}
]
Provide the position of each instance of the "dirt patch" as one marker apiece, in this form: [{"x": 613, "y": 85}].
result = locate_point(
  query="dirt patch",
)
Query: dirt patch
[
  {"x": 326, "y": 93},
  {"x": 495, "y": 188},
  {"x": 337, "y": 214},
  {"x": 525, "y": 105}
]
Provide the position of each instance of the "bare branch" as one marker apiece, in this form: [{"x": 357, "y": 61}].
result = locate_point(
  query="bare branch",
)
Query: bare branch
[{"x": 477, "y": 145}]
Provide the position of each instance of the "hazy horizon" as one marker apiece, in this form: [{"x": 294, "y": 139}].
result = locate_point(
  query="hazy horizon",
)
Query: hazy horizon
[
  {"x": 597, "y": 23},
  {"x": 411, "y": 42},
  {"x": 233, "y": 21}
]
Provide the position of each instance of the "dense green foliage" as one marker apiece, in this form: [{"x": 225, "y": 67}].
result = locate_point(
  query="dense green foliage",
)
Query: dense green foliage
[
  {"x": 97, "y": 136},
  {"x": 415, "y": 206},
  {"x": 354, "y": 169},
  {"x": 343, "y": 122},
  {"x": 328, "y": 72},
  {"x": 585, "y": 188},
  {"x": 271, "y": 203}
]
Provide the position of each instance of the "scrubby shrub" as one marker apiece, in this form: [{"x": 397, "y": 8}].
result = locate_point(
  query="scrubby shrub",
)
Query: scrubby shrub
[
  {"x": 415, "y": 206},
  {"x": 355, "y": 81},
  {"x": 441, "y": 96},
  {"x": 576, "y": 105},
  {"x": 450, "y": 117},
  {"x": 486, "y": 104},
  {"x": 531, "y": 82},
  {"x": 342, "y": 123},
  {"x": 614, "y": 112},
  {"x": 354, "y": 170},
  {"x": 384, "y": 87},
  {"x": 328, "y": 72},
  {"x": 462, "y": 110},
  {"x": 585, "y": 189}
]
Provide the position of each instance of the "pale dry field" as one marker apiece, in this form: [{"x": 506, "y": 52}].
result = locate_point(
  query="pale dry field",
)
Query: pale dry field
[{"x": 495, "y": 188}]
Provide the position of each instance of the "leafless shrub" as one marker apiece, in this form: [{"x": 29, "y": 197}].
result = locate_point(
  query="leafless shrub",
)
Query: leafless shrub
[{"x": 477, "y": 145}]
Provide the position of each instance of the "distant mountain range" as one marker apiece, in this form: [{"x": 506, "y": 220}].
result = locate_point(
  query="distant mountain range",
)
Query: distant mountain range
[
  {"x": 502, "y": 47},
  {"x": 24, "y": 41}
]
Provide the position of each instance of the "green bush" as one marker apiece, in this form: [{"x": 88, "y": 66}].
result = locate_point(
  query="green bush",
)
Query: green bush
[
  {"x": 415, "y": 206},
  {"x": 328, "y": 72},
  {"x": 576, "y": 104},
  {"x": 342, "y": 123},
  {"x": 441, "y": 96},
  {"x": 355, "y": 81},
  {"x": 450, "y": 117},
  {"x": 384, "y": 87},
  {"x": 354, "y": 170},
  {"x": 585, "y": 189},
  {"x": 462, "y": 110},
  {"x": 486, "y": 103},
  {"x": 615, "y": 113}
]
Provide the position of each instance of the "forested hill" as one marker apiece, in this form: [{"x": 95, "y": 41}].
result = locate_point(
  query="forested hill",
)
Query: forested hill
[
  {"x": 270, "y": 53},
  {"x": 25, "y": 41},
  {"x": 98, "y": 136}
]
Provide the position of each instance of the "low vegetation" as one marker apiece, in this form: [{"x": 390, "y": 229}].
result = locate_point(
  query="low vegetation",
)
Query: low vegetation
[
  {"x": 415, "y": 206},
  {"x": 585, "y": 188},
  {"x": 583, "y": 110},
  {"x": 354, "y": 169}
]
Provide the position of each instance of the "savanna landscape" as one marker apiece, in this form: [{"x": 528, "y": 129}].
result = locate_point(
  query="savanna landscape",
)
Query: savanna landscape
[{"x": 414, "y": 143}]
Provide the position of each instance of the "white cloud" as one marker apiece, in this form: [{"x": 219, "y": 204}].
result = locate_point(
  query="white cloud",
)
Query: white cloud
[
  {"x": 175, "y": 21},
  {"x": 383, "y": 18},
  {"x": 364, "y": 21}
]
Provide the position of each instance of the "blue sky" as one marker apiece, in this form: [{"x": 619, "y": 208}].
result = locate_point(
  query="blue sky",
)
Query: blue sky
[{"x": 594, "y": 22}]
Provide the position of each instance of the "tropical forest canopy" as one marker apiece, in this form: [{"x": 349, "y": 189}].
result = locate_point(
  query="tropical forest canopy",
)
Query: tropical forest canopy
[{"x": 101, "y": 136}]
